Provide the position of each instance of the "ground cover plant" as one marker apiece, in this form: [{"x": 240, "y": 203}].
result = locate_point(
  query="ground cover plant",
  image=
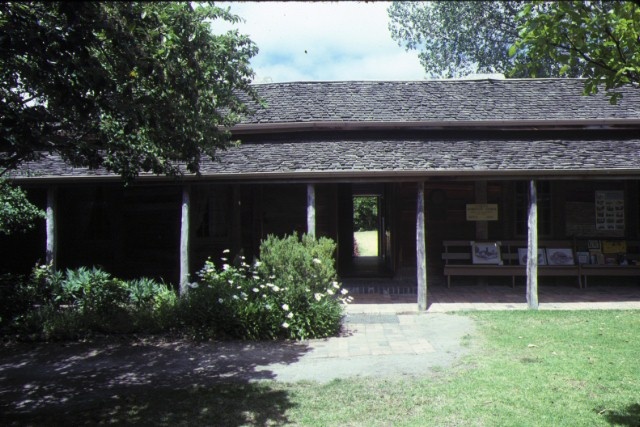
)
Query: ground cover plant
[
  {"x": 77, "y": 303},
  {"x": 526, "y": 368},
  {"x": 291, "y": 293}
]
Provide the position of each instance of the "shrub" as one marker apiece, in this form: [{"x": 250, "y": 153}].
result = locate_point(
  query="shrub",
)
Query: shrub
[
  {"x": 82, "y": 301},
  {"x": 147, "y": 293},
  {"x": 291, "y": 292},
  {"x": 93, "y": 291}
]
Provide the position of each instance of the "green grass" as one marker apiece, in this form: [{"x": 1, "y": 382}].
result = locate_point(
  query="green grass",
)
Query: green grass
[
  {"x": 367, "y": 242},
  {"x": 525, "y": 369}
]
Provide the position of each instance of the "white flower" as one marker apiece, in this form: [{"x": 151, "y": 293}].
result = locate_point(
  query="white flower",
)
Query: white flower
[
  {"x": 335, "y": 285},
  {"x": 317, "y": 261},
  {"x": 285, "y": 307},
  {"x": 290, "y": 315},
  {"x": 330, "y": 292},
  {"x": 256, "y": 290},
  {"x": 230, "y": 281},
  {"x": 261, "y": 286},
  {"x": 285, "y": 325},
  {"x": 344, "y": 291},
  {"x": 226, "y": 251},
  {"x": 257, "y": 264},
  {"x": 220, "y": 300},
  {"x": 317, "y": 296},
  {"x": 275, "y": 288},
  {"x": 235, "y": 297},
  {"x": 226, "y": 267},
  {"x": 224, "y": 259}
]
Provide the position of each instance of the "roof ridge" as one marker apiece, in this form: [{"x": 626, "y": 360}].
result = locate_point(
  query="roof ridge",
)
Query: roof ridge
[{"x": 451, "y": 80}]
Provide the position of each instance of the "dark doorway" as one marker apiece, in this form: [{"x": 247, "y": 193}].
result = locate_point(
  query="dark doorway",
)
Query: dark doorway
[{"x": 364, "y": 236}]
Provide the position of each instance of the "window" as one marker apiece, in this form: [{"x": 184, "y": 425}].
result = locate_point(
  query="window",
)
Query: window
[{"x": 544, "y": 207}]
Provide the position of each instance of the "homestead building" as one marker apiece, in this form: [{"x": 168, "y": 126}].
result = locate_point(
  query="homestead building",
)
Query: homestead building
[{"x": 454, "y": 166}]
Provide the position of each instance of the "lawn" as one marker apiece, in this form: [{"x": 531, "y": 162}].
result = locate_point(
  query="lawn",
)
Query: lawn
[
  {"x": 547, "y": 368},
  {"x": 367, "y": 242}
]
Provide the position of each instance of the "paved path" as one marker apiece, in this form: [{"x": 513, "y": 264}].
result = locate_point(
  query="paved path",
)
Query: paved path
[{"x": 380, "y": 345}]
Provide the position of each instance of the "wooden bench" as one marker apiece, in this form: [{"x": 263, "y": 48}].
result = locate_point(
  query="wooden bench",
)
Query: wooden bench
[
  {"x": 608, "y": 271},
  {"x": 631, "y": 269},
  {"x": 458, "y": 261}
]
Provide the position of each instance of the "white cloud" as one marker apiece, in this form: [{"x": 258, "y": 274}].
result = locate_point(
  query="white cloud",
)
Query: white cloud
[{"x": 324, "y": 41}]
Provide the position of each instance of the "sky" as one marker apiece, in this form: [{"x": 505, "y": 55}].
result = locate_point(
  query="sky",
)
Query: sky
[{"x": 323, "y": 41}]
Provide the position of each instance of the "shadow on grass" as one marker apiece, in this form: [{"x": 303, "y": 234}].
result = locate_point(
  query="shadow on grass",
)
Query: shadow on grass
[
  {"x": 629, "y": 417},
  {"x": 150, "y": 382}
]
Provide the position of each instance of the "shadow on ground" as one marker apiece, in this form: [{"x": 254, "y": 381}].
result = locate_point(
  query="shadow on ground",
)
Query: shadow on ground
[
  {"x": 145, "y": 381},
  {"x": 629, "y": 417}
]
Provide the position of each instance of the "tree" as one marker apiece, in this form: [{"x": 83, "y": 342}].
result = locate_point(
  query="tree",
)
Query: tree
[
  {"x": 601, "y": 37},
  {"x": 129, "y": 86},
  {"x": 17, "y": 214},
  {"x": 456, "y": 38}
]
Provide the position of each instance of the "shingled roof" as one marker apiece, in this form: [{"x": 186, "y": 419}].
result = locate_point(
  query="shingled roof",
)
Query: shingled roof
[
  {"x": 437, "y": 101},
  {"x": 273, "y": 152}
]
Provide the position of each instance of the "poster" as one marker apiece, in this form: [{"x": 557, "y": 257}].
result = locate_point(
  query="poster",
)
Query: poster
[{"x": 609, "y": 210}]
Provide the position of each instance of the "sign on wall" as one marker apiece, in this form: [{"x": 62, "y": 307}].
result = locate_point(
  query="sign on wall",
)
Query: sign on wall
[
  {"x": 609, "y": 210},
  {"x": 482, "y": 212}
]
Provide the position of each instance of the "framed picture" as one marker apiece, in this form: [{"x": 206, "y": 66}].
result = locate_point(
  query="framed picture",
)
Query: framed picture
[
  {"x": 583, "y": 257},
  {"x": 560, "y": 256},
  {"x": 522, "y": 256},
  {"x": 486, "y": 253}
]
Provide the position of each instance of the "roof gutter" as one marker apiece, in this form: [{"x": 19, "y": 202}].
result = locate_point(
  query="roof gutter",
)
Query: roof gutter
[
  {"x": 333, "y": 125},
  {"x": 342, "y": 176}
]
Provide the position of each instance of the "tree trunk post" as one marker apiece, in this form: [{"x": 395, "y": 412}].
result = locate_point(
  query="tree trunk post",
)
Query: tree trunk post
[
  {"x": 184, "y": 240},
  {"x": 52, "y": 229},
  {"x": 311, "y": 210},
  {"x": 532, "y": 249},
  {"x": 421, "y": 256}
]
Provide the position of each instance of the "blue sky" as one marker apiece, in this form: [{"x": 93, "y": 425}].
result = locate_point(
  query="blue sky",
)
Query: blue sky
[{"x": 324, "y": 41}]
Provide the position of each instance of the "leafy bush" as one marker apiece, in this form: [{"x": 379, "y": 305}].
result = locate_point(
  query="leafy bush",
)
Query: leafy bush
[
  {"x": 79, "y": 302},
  {"x": 291, "y": 292},
  {"x": 147, "y": 293}
]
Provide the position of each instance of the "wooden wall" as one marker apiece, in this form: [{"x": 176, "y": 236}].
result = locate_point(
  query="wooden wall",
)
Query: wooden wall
[{"x": 135, "y": 231}]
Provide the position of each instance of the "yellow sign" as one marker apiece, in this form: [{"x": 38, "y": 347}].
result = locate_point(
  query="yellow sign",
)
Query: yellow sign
[
  {"x": 614, "y": 247},
  {"x": 482, "y": 212}
]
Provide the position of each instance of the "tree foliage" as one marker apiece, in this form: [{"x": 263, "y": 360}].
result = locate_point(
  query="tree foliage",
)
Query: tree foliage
[
  {"x": 129, "y": 86},
  {"x": 17, "y": 214},
  {"x": 456, "y": 38},
  {"x": 601, "y": 37},
  {"x": 365, "y": 213}
]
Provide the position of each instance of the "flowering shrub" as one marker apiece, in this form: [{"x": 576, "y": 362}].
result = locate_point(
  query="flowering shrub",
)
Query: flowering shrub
[{"x": 291, "y": 292}]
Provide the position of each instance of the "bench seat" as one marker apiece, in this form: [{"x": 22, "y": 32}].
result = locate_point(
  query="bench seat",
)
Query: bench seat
[
  {"x": 512, "y": 271},
  {"x": 608, "y": 270}
]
